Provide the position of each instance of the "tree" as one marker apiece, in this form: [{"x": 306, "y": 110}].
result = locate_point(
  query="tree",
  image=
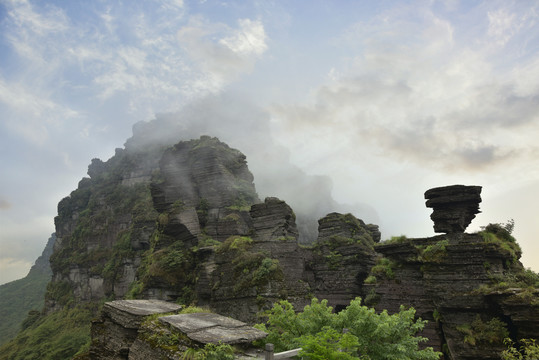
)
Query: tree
[{"x": 369, "y": 336}]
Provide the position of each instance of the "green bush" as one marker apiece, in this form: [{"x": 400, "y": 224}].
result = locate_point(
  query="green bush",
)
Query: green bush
[
  {"x": 319, "y": 332},
  {"x": 499, "y": 235},
  {"x": 528, "y": 350},
  {"x": 434, "y": 252},
  {"x": 384, "y": 267},
  {"x": 493, "y": 331},
  {"x": 239, "y": 243}
]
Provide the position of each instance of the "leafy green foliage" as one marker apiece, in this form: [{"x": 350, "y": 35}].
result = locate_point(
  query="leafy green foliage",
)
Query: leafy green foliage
[
  {"x": 333, "y": 260},
  {"x": 434, "y": 252},
  {"x": 384, "y": 267},
  {"x": 239, "y": 243},
  {"x": 499, "y": 236},
  {"x": 255, "y": 269},
  {"x": 210, "y": 352},
  {"x": 319, "y": 332},
  {"x": 329, "y": 344},
  {"x": 528, "y": 350},
  {"x": 493, "y": 331},
  {"x": 371, "y": 279}
]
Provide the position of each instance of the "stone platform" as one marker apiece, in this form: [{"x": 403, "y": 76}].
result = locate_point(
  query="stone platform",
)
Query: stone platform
[{"x": 207, "y": 328}]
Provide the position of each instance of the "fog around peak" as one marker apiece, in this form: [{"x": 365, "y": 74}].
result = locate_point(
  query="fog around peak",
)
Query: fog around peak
[{"x": 246, "y": 127}]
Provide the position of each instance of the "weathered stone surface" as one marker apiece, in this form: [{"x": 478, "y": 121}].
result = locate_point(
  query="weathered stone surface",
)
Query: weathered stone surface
[
  {"x": 118, "y": 333},
  {"x": 114, "y": 332},
  {"x": 274, "y": 220},
  {"x": 454, "y": 207},
  {"x": 205, "y": 169},
  {"x": 342, "y": 258},
  {"x": 130, "y": 313},
  {"x": 213, "y": 328},
  {"x": 441, "y": 278}
]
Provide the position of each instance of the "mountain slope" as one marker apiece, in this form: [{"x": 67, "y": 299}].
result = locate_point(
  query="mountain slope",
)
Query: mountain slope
[{"x": 19, "y": 297}]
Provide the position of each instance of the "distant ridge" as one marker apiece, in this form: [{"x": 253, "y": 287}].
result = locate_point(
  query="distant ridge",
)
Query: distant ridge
[{"x": 18, "y": 297}]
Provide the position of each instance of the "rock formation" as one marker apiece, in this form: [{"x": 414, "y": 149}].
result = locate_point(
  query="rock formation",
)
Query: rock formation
[
  {"x": 454, "y": 207},
  {"x": 185, "y": 224},
  {"x": 129, "y": 329},
  {"x": 117, "y": 328}
]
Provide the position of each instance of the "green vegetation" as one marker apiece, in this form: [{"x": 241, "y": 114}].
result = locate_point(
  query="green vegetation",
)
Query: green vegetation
[
  {"x": 160, "y": 335},
  {"x": 57, "y": 336},
  {"x": 255, "y": 270},
  {"x": 120, "y": 251},
  {"x": 371, "y": 279},
  {"x": 528, "y": 350},
  {"x": 210, "y": 352},
  {"x": 515, "y": 276},
  {"x": 493, "y": 331},
  {"x": 239, "y": 243},
  {"x": 384, "y": 268},
  {"x": 321, "y": 333},
  {"x": 251, "y": 269},
  {"x": 333, "y": 260},
  {"x": 434, "y": 253},
  {"x": 19, "y": 297},
  {"x": 526, "y": 280},
  {"x": 396, "y": 240},
  {"x": 499, "y": 236},
  {"x": 372, "y": 298}
]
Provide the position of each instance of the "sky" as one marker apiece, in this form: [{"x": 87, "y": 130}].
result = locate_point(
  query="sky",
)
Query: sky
[{"x": 367, "y": 103}]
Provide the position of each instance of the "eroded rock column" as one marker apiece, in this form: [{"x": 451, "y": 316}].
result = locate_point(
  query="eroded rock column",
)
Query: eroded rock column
[{"x": 454, "y": 207}]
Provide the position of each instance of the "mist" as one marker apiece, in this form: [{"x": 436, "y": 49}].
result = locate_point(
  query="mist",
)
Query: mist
[{"x": 246, "y": 127}]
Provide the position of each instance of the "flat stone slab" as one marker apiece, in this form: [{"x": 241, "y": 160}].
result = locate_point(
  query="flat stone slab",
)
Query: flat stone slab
[
  {"x": 213, "y": 328},
  {"x": 131, "y": 313}
]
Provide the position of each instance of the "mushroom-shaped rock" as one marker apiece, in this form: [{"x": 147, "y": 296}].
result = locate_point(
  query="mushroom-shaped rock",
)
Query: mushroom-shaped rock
[{"x": 454, "y": 207}]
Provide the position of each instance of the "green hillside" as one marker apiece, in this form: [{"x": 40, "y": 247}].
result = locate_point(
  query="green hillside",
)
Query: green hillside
[{"x": 19, "y": 297}]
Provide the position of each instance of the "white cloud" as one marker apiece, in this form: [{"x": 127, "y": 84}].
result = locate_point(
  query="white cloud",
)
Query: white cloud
[
  {"x": 502, "y": 26},
  {"x": 249, "y": 39},
  {"x": 222, "y": 53},
  {"x": 31, "y": 115},
  {"x": 417, "y": 95}
]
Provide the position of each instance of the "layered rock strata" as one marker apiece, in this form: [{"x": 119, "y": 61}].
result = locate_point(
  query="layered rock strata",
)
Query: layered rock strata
[{"x": 454, "y": 207}]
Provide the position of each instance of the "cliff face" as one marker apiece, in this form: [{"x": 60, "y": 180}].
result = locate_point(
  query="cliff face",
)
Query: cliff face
[
  {"x": 453, "y": 281},
  {"x": 185, "y": 224}
]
